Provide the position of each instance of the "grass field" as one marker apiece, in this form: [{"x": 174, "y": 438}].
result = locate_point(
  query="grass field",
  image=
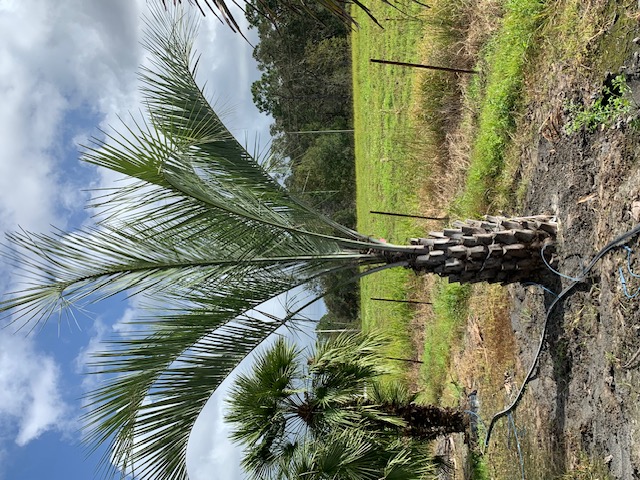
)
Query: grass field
[
  {"x": 403, "y": 150},
  {"x": 388, "y": 175},
  {"x": 432, "y": 143}
]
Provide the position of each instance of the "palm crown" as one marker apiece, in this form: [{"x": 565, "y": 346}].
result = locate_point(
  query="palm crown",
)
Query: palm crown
[{"x": 326, "y": 414}]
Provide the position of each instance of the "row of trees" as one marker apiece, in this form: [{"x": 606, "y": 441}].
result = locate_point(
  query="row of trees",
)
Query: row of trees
[
  {"x": 306, "y": 87},
  {"x": 207, "y": 236}
]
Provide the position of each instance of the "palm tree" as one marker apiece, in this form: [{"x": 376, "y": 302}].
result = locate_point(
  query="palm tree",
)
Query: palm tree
[
  {"x": 356, "y": 455},
  {"x": 288, "y": 402},
  {"x": 205, "y": 234}
]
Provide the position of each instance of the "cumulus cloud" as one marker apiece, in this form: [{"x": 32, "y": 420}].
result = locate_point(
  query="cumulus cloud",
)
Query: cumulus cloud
[
  {"x": 64, "y": 67},
  {"x": 60, "y": 63},
  {"x": 30, "y": 398},
  {"x": 67, "y": 68}
]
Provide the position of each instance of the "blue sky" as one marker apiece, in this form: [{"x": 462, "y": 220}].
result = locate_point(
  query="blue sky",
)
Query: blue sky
[{"x": 68, "y": 68}]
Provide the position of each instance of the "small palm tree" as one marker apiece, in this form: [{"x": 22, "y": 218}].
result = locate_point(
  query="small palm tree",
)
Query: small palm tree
[
  {"x": 355, "y": 455},
  {"x": 203, "y": 232},
  {"x": 288, "y": 401}
]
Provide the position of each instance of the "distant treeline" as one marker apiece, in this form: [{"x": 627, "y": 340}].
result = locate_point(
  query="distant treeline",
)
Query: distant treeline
[{"x": 306, "y": 87}]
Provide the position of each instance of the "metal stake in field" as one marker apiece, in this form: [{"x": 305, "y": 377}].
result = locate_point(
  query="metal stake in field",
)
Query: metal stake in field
[
  {"x": 418, "y": 65},
  {"x": 391, "y": 214},
  {"x": 413, "y": 302}
]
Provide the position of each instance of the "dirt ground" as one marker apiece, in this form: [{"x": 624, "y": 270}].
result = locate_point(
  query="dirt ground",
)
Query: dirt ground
[
  {"x": 585, "y": 396},
  {"x": 579, "y": 418}
]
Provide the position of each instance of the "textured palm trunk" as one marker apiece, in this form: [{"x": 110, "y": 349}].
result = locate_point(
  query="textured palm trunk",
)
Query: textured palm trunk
[
  {"x": 494, "y": 250},
  {"x": 427, "y": 422}
]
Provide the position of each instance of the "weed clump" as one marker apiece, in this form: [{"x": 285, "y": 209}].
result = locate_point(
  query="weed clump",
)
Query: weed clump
[{"x": 612, "y": 106}]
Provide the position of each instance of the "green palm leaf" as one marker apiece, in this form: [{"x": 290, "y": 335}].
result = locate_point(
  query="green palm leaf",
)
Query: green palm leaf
[
  {"x": 310, "y": 418},
  {"x": 355, "y": 455}
]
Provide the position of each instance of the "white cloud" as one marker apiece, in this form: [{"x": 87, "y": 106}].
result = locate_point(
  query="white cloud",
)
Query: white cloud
[
  {"x": 58, "y": 60},
  {"x": 30, "y": 399},
  {"x": 67, "y": 67},
  {"x": 210, "y": 449},
  {"x": 63, "y": 67}
]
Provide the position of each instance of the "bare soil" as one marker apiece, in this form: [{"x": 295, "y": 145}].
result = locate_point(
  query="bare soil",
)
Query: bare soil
[
  {"x": 580, "y": 416},
  {"x": 581, "y": 412}
]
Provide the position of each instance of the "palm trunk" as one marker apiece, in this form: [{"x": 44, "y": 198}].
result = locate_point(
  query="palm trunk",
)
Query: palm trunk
[
  {"x": 494, "y": 250},
  {"x": 427, "y": 422}
]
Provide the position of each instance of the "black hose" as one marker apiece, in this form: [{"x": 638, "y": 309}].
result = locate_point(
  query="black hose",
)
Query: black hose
[{"x": 617, "y": 242}]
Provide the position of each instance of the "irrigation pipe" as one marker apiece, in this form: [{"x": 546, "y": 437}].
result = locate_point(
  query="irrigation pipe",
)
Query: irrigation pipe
[
  {"x": 617, "y": 242},
  {"x": 515, "y": 434},
  {"x": 634, "y": 275}
]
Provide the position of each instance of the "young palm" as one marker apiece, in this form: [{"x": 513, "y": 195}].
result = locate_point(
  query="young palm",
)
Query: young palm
[
  {"x": 356, "y": 455},
  {"x": 205, "y": 234},
  {"x": 288, "y": 402}
]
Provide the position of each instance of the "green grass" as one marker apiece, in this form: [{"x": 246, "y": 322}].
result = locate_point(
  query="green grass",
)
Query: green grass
[
  {"x": 533, "y": 35},
  {"x": 399, "y": 116},
  {"x": 498, "y": 94},
  {"x": 479, "y": 470},
  {"x": 450, "y": 308},
  {"x": 389, "y": 174},
  {"x": 387, "y": 177}
]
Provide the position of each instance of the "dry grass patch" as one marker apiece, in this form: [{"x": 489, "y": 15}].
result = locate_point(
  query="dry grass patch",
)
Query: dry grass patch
[
  {"x": 485, "y": 355},
  {"x": 420, "y": 289},
  {"x": 489, "y": 346},
  {"x": 482, "y": 23},
  {"x": 488, "y": 362},
  {"x": 437, "y": 106}
]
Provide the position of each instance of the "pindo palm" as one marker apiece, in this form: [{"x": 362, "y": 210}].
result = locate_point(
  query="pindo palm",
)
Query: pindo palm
[{"x": 206, "y": 234}]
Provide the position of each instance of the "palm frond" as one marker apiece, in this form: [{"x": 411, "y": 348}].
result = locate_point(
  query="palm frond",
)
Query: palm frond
[
  {"x": 161, "y": 383},
  {"x": 256, "y": 405},
  {"x": 253, "y": 400},
  {"x": 356, "y": 455},
  {"x": 322, "y": 395},
  {"x": 202, "y": 231},
  {"x": 337, "y": 8}
]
